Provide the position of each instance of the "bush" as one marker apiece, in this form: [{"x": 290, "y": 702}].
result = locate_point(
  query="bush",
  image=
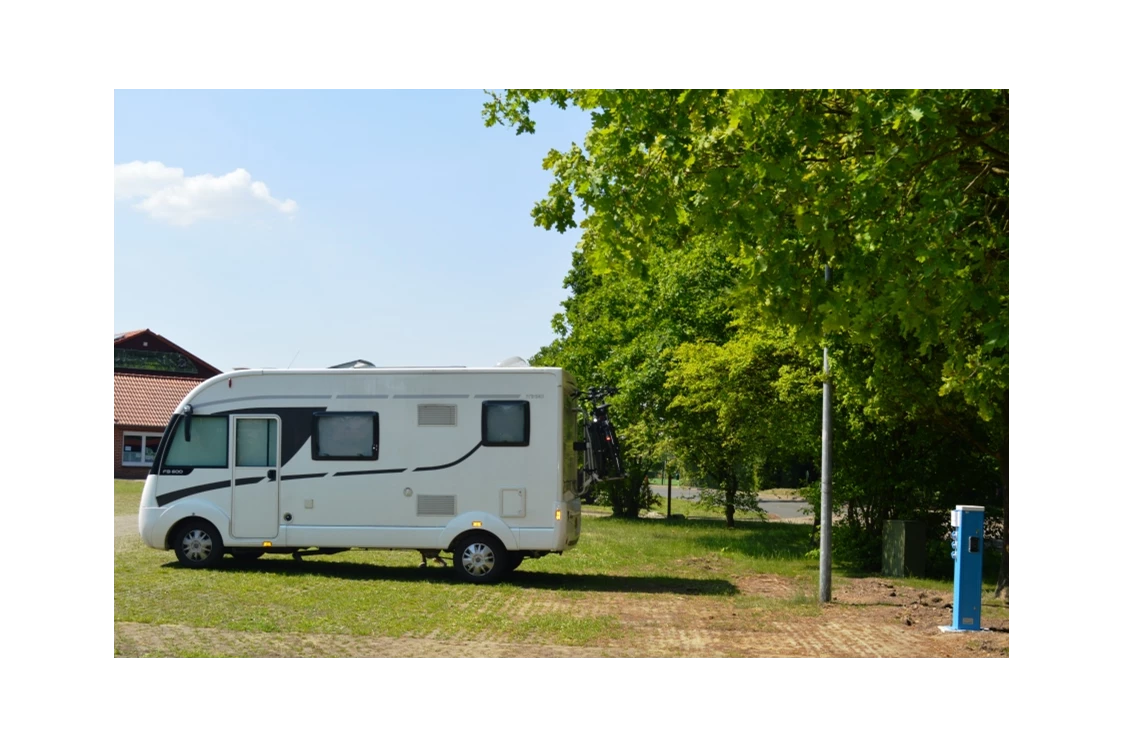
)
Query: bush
[
  {"x": 855, "y": 548},
  {"x": 628, "y": 496}
]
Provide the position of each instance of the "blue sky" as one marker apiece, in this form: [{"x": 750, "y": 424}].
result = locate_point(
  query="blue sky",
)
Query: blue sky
[{"x": 392, "y": 226}]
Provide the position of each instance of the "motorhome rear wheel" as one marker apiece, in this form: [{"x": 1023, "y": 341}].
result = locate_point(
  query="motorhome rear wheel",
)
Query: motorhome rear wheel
[{"x": 479, "y": 557}]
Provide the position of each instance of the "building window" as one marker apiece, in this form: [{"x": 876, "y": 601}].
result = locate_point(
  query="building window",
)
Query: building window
[
  {"x": 138, "y": 450},
  {"x": 506, "y": 423},
  {"x": 345, "y": 436}
]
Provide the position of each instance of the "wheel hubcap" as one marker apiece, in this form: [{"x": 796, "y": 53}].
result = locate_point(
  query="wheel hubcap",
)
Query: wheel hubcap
[
  {"x": 197, "y": 545},
  {"x": 478, "y": 559}
]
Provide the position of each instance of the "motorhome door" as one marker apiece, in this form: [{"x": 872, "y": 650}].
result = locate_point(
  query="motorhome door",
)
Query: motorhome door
[{"x": 256, "y": 476}]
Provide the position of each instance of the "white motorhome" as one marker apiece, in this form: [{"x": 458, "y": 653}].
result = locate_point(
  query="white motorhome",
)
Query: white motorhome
[{"x": 480, "y": 462}]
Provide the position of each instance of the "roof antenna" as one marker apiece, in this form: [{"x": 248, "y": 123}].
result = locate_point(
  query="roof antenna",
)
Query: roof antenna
[{"x": 293, "y": 359}]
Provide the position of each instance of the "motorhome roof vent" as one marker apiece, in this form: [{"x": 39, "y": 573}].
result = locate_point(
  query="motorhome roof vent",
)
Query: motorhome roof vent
[
  {"x": 359, "y": 363},
  {"x": 514, "y": 361}
]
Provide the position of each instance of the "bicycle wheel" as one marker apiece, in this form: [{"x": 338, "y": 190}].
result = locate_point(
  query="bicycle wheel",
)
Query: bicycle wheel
[
  {"x": 600, "y": 446},
  {"x": 590, "y": 467},
  {"x": 612, "y": 447}
]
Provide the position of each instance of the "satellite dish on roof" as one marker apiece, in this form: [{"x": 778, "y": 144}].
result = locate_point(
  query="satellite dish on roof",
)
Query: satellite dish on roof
[{"x": 514, "y": 361}]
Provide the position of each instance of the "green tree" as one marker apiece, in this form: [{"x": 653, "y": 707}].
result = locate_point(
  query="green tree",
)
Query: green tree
[
  {"x": 901, "y": 467},
  {"x": 903, "y": 194},
  {"x": 596, "y": 341},
  {"x": 623, "y": 330},
  {"x": 738, "y": 404}
]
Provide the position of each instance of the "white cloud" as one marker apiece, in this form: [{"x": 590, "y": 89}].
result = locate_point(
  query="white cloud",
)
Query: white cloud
[{"x": 165, "y": 194}]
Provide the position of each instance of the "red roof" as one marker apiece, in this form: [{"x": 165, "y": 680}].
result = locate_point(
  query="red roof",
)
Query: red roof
[
  {"x": 119, "y": 336},
  {"x": 146, "y": 399}
]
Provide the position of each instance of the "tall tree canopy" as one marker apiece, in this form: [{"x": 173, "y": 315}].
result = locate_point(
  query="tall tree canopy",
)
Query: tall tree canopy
[{"x": 904, "y": 195}]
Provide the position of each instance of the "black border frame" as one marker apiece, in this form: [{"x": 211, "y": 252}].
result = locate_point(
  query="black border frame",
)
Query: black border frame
[
  {"x": 526, "y": 423},
  {"x": 330, "y": 413}
]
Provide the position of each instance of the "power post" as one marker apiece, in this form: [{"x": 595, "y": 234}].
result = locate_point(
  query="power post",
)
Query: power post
[{"x": 826, "y": 513}]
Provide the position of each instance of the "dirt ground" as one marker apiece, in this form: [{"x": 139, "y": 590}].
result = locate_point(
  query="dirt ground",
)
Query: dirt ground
[{"x": 871, "y": 617}]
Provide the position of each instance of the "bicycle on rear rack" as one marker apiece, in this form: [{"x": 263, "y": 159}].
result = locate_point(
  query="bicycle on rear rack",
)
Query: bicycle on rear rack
[{"x": 601, "y": 447}]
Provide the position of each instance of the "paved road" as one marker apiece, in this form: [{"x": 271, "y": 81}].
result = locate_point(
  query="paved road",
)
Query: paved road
[
  {"x": 782, "y": 508},
  {"x": 786, "y": 508}
]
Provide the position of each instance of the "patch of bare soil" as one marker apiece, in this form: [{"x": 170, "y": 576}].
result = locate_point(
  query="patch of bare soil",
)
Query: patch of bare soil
[{"x": 125, "y": 532}]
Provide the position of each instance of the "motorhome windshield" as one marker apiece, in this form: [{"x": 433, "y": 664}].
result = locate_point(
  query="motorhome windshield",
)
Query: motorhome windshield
[{"x": 208, "y": 445}]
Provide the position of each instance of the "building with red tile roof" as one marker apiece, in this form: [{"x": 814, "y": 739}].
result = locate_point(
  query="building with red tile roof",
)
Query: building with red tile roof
[{"x": 151, "y": 375}]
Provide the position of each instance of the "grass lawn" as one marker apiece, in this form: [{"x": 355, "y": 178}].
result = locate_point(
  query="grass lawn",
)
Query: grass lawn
[{"x": 590, "y": 596}]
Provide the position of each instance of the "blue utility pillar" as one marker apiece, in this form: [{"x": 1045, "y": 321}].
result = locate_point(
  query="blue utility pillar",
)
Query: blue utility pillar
[{"x": 967, "y": 550}]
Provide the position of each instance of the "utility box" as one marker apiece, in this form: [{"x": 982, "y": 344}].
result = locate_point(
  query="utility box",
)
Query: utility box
[
  {"x": 967, "y": 550},
  {"x": 903, "y": 550}
]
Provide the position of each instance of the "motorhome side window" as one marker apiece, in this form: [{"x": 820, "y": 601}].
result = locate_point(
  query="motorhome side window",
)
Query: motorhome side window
[
  {"x": 506, "y": 423},
  {"x": 345, "y": 436},
  {"x": 208, "y": 445},
  {"x": 255, "y": 442}
]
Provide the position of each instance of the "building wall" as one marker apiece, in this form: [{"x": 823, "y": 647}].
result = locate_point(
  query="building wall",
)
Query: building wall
[
  {"x": 119, "y": 470},
  {"x": 148, "y": 342}
]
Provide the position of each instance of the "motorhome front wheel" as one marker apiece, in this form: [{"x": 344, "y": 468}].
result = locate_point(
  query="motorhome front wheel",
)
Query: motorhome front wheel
[{"x": 198, "y": 544}]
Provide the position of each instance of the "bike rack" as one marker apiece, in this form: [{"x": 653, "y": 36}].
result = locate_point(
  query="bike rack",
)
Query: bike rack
[{"x": 603, "y": 461}]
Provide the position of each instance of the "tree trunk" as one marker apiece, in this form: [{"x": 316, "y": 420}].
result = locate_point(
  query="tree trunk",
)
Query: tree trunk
[
  {"x": 1002, "y": 590},
  {"x": 631, "y": 496},
  {"x": 730, "y": 507}
]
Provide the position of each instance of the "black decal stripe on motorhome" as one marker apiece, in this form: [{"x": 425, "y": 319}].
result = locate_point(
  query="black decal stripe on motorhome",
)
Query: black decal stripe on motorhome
[
  {"x": 167, "y": 498},
  {"x": 450, "y": 464},
  {"x": 370, "y": 472},
  {"x": 248, "y": 481},
  {"x": 302, "y": 476}
]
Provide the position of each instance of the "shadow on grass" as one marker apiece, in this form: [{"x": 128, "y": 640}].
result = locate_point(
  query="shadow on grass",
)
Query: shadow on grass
[{"x": 521, "y": 577}]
